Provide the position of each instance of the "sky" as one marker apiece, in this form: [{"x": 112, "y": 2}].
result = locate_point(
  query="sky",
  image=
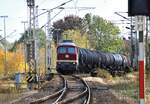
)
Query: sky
[{"x": 17, "y": 11}]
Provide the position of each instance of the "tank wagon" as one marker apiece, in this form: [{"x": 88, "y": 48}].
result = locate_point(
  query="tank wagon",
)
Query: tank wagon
[{"x": 72, "y": 59}]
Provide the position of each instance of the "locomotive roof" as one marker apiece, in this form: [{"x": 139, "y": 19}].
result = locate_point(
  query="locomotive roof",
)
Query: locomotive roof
[{"x": 67, "y": 44}]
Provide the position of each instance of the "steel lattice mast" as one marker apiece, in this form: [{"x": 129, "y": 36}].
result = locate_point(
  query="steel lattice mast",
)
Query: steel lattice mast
[{"x": 31, "y": 42}]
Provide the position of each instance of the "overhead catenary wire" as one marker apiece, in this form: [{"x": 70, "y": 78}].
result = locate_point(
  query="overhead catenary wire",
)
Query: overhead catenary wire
[
  {"x": 53, "y": 8},
  {"x": 75, "y": 5},
  {"x": 63, "y": 8},
  {"x": 8, "y": 35},
  {"x": 52, "y": 18}
]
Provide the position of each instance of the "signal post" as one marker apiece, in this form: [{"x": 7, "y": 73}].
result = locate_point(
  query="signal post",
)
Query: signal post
[
  {"x": 140, "y": 27},
  {"x": 140, "y": 9}
]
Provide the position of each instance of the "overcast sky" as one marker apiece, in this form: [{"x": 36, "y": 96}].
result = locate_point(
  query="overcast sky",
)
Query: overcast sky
[{"x": 16, "y": 10}]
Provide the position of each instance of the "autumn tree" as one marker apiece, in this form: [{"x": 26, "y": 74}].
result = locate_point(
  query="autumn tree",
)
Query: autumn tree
[
  {"x": 1, "y": 61},
  {"x": 103, "y": 35},
  {"x": 14, "y": 61},
  {"x": 75, "y": 35},
  {"x": 25, "y": 37},
  {"x": 68, "y": 23}
]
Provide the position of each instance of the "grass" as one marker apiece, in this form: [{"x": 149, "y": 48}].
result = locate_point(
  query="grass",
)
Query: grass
[
  {"x": 131, "y": 88},
  {"x": 104, "y": 74},
  {"x": 147, "y": 85},
  {"x": 127, "y": 89},
  {"x": 9, "y": 92},
  {"x": 125, "y": 86},
  {"x": 5, "y": 98}
]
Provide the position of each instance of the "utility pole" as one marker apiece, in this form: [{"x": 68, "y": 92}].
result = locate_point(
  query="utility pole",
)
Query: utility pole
[
  {"x": 36, "y": 17},
  {"x": 24, "y": 24},
  {"x": 6, "y": 71},
  {"x": 146, "y": 45},
  {"x": 31, "y": 43},
  {"x": 25, "y": 55},
  {"x": 132, "y": 46},
  {"x": 132, "y": 51},
  {"x": 36, "y": 39},
  {"x": 48, "y": 43}
]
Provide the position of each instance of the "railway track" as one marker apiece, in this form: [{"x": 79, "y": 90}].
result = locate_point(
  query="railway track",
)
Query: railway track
[
  {"x": 61, "y": 90},
  {"x": 53, "y": 98},
  {"x": 78, "y": 91},
  {"x": 75, "y": 91},
  {"x": 48, "y": 90}
]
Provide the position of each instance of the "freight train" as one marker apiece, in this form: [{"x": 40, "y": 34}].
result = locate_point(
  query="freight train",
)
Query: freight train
[{"x": 72, "y": 59}]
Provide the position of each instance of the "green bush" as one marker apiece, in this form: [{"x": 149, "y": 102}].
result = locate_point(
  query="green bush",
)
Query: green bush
[
  {"x": 148, "y": 72},
  {"x": 148, "y": 67}
]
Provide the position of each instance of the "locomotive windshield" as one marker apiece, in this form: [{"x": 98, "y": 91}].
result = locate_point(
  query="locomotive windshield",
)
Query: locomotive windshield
[
  {"x": 62, "y": 50},
  {"x": 70, "y": 50}
]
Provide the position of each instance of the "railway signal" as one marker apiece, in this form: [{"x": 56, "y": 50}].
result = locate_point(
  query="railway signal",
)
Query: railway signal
[{"x": 140, "y": 9}]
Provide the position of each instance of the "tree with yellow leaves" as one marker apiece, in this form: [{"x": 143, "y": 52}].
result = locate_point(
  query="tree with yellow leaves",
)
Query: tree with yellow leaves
[{"x": 14, "y": 62}]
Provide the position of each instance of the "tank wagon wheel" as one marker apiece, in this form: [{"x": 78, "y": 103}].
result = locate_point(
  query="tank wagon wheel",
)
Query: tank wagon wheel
[
  {"x": 113, "y": 73},
  {"x": 93, "y": 74},
  {"x": 77, "y": 71}
]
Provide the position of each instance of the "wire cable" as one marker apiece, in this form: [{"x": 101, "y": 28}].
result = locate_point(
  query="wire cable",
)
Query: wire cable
[
  {"x": 53, "y": 8},
  {"x": 75, "y": 6},
  {"x": 52, "y": 18},
  {"x": 8, "y": 35}
]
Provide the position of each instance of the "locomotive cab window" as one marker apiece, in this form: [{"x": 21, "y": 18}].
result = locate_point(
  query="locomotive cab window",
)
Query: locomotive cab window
[
  {"x": 62, "y": 50},
  {"x": 71, "y": 50}
]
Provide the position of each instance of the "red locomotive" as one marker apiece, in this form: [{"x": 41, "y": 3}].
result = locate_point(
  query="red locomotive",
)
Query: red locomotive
[{"x": 67, "y": 57}]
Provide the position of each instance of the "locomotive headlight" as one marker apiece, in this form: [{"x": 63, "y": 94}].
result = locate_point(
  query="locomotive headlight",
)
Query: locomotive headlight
[{"x": 66, "y": 56}]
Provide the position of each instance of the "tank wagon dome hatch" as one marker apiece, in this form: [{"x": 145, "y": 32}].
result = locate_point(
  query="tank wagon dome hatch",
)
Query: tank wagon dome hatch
[{"x": 67, "y": 43}]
